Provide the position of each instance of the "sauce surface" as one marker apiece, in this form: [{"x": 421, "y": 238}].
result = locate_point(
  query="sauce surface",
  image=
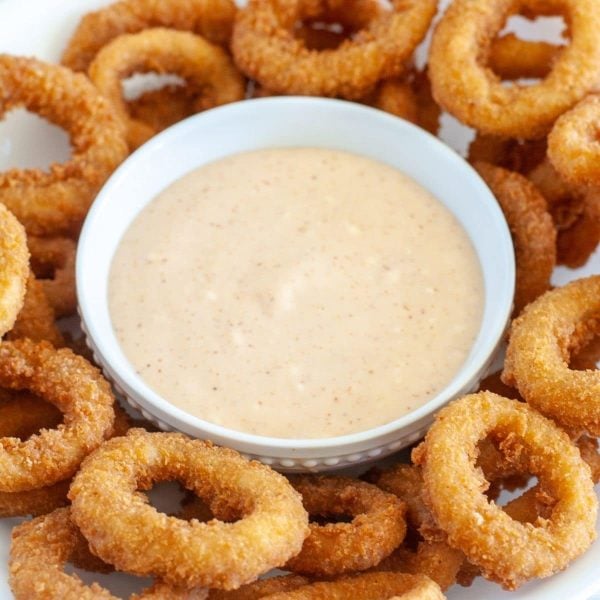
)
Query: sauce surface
[{"x": 296, "y": 293}]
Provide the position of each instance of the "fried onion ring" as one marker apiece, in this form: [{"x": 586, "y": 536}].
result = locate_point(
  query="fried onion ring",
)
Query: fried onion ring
[
  {"x": 587, "y": 356},
  {"x": 53, "y": 262},
  {"x": 377, "y": 527},
  {"x": 368, "y": 586},
  {"x": 405, "y": 481},
  {"x": 578, "y": 242},
  {"x": 513, "y": 58},
  {"x": 207, "y": 69},
  {"x": 429, "y": 112},
  {"x": 564, "y": 204},
  {"x": 320, "y": 39},
  {"x": 34, "y": 502},
  {"x": 46, "y": 499},
  {"x": 536, "y": 503},
  {"x": 339, "y": 22},
  {"x": 397, "y": 97},
  {"x": 521, "y": 156},
  {"x": 531, "y": 227},
  {"x": 266, "y": 49},
  {"x": 162, "y": 108},
  {"x": 55, "y": 202},
  {"x": 36, "y": 321},
  {"x": 574, "y": 143},
  {"x": 271, "y": 529},
  {"x": 494, "y": 383},
  {"x": 538, "y": 364},
  {"x": 212, "y": 19},
  {"x": 263, "y": 588},
  {"x": 38, "y": 554},
  {"x": 506, "y": 550},
  {"x": 436, "y": 560},
  {"x": 77, "y": 389},
  {"x": 470, "y": 91},
  {"x": 589, "y": 452},
  {"x": 576, "y": 214},
  {"x": 409, "y": 98},
  {"x": 14, "y": 269},
  {"x": 23, "y": 415}
]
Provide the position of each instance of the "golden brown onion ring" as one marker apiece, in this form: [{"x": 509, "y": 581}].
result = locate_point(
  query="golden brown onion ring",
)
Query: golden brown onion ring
[
  {"x": 163, "y": 107},
  {"x": 28, "y": 415},
  {"x": 514, "y": 58},
  {"x": 397, "y": 97},
  {"x": 53, "y": 262},
  {"x": 77, "y": 389},
  {"x": 207, "y": 70},
  {"x": 266, "y": 49},
  {"x": 537, "y": 358},
  {"x": 531, "y": 227},
  {"x": 14, "y": 269},
  {"x": 436, "y": 560},
  {"x": 338, "y": 22},
  {"x": 21, "y": 416},
  {"x": 470, "y": 91},
  {"x": 263, "y": 588},
  {"x": 521, "y": 156},
  {"x": 36, "y": 321},
  {"x": 376, "y": 529},
  {"x": 34, "y": 502},
  {"x": 39, "y": 552},
  {"x": 574, "y": 143},
  {"x": 368, "y": 586},
  {"x": 576, "y": 244},
  {"x": 565, "y": 204},
  {"x": 212, "y": 19},
  {"x": 575, "y": 211},
  {"x": 406, "y": 482},
  {"x": 271, "y": 528},
  {"x": 55, "y": 202},
  {"x": 506, "y": 550},
  {"x": 409, "y": 98}
]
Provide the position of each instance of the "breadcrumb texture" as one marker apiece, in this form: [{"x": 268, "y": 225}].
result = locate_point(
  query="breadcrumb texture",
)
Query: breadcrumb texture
[
  {"x": 53, "y": 263},
  {"x": 38, "y": 554},
  {"x": 77, "y": 389},
  {"x": 531, "y": 227},
  {"x": 212, "y": 19},
  {"x": 265, "y": 48},
  {"x": 207, "y": 69},
  {"x": 540, "y": 345},
  {"x": 124, "y": 530},
  {"x": 468, "y": 88},
  {"x": 574, "y": 143},
  {"x": 506, "y": 550},
  {"x": 378, "y": 525},
  {"x": 369, "y": 586},
  {"x": 56, "y": 201},
  {"x": 14, "y": 268}
]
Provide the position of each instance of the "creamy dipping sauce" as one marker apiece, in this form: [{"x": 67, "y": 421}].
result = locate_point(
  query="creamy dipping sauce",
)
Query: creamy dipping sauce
[{"x": 296, "y": 293}]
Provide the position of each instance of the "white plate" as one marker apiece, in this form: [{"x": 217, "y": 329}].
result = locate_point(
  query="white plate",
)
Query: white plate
[{"x": 41, "y": 28}]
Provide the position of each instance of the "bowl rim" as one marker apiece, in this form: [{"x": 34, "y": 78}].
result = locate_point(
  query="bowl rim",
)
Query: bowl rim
[{"x": 181, "y": 419}]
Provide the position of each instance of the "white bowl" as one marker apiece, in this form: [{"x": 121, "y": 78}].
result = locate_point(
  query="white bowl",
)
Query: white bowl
[{"x": 280, "y": 122}]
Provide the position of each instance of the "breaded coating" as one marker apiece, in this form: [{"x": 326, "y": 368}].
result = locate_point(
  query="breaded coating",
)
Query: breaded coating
[
  {"x": 124, "y": 530},
  {"x": 14, "y": 268},
  {"x": 377, "y": 527},
  {"x": 531, "y": 227},
  {"x": 537, "y": 359}
]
